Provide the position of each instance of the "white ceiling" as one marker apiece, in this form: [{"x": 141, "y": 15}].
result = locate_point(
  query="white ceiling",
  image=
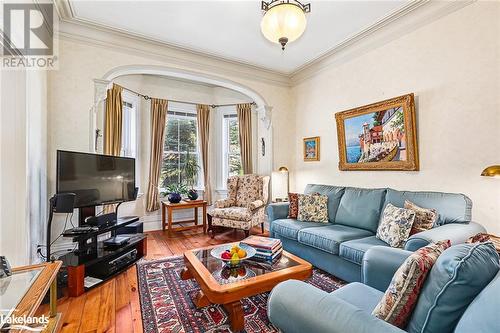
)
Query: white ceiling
[{"x": 231, "y": 29}]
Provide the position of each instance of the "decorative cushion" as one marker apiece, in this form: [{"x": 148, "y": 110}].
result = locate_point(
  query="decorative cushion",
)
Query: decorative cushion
[
  {"x": 478, "y": 238},
  {"x": 223, "y": 203},
  {"x": 233, "y": 213},
  {"x": 458, "y": 276},
  {"x": 334, "y": 194},
  {"x": 395, "y": 225},
  {"x": 360, "y": 208},
  {"x": 452, "y": 207},
  {"x": 255, "y": 204},
  {"x": 401, "y": 296},
  {"x": 249, "y": 189},
  {"x": 293, "y": 208},
  {"x": 313, "y": 208},
  {"x": 424, "y": 218}
]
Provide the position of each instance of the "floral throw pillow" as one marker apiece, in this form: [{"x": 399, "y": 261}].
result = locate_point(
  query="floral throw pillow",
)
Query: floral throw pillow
[
  {"x": 395, "y": 225},
  {"x": 293, "y": 208},
  {"x": 313, "y": 208},
  {"x": 424, "y": 218},
  {"x": 400, "y": 298}
]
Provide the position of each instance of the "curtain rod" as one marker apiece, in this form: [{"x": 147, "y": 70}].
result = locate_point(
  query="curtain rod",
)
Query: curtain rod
[{"x": 146, "y": 97}]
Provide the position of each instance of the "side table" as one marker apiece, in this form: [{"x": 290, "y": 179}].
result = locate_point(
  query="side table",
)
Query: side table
[{"x": 167, "y": 209}]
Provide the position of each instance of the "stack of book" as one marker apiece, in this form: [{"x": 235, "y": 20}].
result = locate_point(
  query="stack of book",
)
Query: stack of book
[{"x": 267, "y": 248}]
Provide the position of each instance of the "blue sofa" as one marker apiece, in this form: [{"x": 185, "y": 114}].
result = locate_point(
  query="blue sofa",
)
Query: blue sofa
[
  {"x": 339, "y": 246},
  {"x": 460, "y": 295}
]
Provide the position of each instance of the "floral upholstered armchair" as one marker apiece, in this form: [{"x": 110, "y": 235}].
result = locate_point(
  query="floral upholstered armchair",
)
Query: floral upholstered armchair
[{"x": 245, "y": 205}]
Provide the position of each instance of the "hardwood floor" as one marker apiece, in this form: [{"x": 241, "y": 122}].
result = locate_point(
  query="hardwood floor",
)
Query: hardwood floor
[{"x": 114, "y": 306}]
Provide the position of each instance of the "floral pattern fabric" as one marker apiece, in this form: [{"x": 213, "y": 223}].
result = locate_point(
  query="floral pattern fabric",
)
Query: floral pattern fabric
[
  {"x": 256, "y": 204},
  {"x": 223, "y": 203},
  {"x": 395, "y": 225},
  {"x": 235, "y": 213},
  {"x": 232, "y": 186},
  {"x": 424, "y": 218},
  {"x": 246, "y": 203},
  {"x": 293, "y": 207},
  {"x": 249, "y": 189},
  {"x": 400, "y": 298},
  {"x": 257, "y": 217},
  {"x": 313, "y": 208}
]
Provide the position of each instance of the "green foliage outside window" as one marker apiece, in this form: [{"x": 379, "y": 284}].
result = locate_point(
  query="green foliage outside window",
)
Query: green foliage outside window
[
  {"x": 234, "y": 157},
  {"x": 180, "y": 158}
]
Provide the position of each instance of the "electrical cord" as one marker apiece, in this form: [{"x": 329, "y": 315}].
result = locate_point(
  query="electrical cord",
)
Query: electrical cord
[{"x": 39, "y": 250}]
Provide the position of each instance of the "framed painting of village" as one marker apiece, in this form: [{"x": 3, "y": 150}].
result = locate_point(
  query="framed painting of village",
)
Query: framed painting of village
[
  {"x": 379, "y": 136},
  {"x": 311, "y": 149}
]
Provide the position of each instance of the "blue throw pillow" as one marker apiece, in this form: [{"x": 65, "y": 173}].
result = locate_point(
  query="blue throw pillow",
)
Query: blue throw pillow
[{"x": 458, "y": 276}]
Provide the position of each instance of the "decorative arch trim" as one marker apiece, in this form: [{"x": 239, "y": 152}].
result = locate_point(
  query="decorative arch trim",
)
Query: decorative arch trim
[{"x": 187, "y": 75}]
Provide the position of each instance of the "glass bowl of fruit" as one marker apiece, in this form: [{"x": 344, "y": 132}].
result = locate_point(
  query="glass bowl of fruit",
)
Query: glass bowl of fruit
[{"x": 233, "y": 254}]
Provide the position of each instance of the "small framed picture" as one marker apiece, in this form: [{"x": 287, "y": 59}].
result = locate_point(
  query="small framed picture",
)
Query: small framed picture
[{"x": 311, "y": 149}]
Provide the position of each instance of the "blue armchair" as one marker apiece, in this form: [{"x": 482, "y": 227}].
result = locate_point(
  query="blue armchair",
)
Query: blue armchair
[{"x": 460, "y": 295}]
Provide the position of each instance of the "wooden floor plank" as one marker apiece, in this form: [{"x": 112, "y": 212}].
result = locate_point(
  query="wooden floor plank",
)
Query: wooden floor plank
[
  {"x": 72, "y": 319},
  {"x": 114, "y": 306},
  {"x": 107, "y": 311}
]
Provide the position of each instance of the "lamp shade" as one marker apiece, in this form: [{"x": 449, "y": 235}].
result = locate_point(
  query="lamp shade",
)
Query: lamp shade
[
  {"x": 283, "y": 23},
  {"x": 491, "y": 171},
  {"x": 279, "y": 185}
]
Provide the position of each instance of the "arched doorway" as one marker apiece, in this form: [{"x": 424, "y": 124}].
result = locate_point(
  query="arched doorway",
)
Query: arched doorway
[{"x": 264, "y": 126}]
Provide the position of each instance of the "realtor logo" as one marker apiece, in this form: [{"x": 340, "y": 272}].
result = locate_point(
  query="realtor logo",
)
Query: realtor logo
[{"x": 27, "y": 35}]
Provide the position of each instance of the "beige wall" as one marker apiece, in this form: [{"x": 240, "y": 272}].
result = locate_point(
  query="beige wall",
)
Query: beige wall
[{"x": 453, "y": 67}]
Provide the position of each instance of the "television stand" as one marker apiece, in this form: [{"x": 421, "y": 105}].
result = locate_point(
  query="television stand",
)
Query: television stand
[{"x": 101, "y": 262}]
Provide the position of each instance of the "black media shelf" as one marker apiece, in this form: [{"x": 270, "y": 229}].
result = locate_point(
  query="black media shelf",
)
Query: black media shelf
[
  {"x": 92, "y": 256},
  {"x": 121, "y": 222}
]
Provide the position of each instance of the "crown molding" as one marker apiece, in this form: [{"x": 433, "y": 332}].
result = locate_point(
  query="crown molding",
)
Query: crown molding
[
  {"x": 408, "y": 18},
  {"x": 76, "y": 29},
  {"x": 386, "y": 30}
]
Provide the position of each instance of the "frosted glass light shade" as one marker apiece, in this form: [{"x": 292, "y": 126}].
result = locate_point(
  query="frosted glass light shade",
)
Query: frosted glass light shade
[
  {"x": 279, "y": 185},
  {"x": 283, "y": 21}
]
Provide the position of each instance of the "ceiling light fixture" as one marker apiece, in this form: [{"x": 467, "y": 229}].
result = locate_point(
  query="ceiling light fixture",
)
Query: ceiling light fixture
[{"x": 284, "y": 20}]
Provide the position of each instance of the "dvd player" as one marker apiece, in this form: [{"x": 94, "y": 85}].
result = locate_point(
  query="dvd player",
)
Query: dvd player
[{"x": 116, "y": 241}]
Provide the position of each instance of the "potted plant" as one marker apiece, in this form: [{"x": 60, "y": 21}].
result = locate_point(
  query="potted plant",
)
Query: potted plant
[{"x": 174, "y": 192}]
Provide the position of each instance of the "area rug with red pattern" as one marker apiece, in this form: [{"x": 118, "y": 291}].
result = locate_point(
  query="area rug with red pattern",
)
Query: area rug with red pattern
[{"x": 167, "y": 301}]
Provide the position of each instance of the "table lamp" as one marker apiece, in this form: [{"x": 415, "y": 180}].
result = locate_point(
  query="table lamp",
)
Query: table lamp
[
  {"x": 491, "y": 171},
  {"x": 279, "y": 184}
]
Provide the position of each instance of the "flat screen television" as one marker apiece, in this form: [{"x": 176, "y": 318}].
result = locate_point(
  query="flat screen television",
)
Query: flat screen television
[{"x": 95, "y": 179}]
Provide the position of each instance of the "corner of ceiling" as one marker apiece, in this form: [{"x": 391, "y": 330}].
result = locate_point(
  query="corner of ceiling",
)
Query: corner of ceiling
[{"x": 408, "y": 18}]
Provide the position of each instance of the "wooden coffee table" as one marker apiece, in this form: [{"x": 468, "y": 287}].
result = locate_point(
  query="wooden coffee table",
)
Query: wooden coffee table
[{"x": 219, "y": 285}]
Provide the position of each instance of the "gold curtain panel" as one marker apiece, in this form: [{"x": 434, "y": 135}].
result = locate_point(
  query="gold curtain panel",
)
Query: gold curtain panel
[
  {"x": 203, "y": 116},
  {"x": 113, "y": 121},
  {"x": 158, "y": 119},
  {"x": 245, "y": 129}
]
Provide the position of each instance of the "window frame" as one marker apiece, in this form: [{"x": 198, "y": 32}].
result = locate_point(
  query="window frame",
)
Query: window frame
[
  {"x": 177, "y": 107},
  {"x": 226, "y": 119}
]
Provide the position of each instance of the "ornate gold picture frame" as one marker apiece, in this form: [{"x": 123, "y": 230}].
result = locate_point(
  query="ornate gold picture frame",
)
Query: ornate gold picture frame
[
  {"x": 379, "y": 136},
  {"x": 311, "y": 149}
]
